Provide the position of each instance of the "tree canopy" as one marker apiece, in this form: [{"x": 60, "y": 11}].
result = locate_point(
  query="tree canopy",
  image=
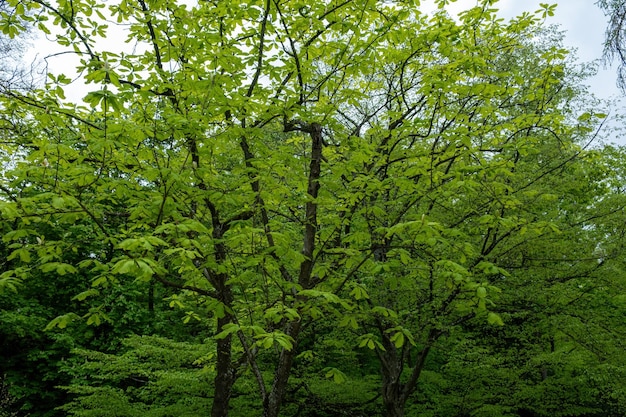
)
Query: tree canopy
[{"x": 257, "y": 199}]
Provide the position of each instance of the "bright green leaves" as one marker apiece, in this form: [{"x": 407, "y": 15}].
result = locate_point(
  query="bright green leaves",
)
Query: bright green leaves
[
  {"x": 174, "y": 368},
  {"x": 350, "y": 321},
  {"x": 101, "y": 72},
  {"x": 276, "y": 338},
  {"x": 141, "y": 244},
  {"x": 263, "y": 339},
  {"x": 105, "y": 99},
  {"x": 9, "y": 282},
  {"x": 227, "y": 330},
  {"x": 280, "y": 312},
  {"x": 22, "y": 254},
  {"x": 9, "y": 23},
  {"x": 443, "y": 3},
  {"x": 489, "y": 268},
  {"x": 443, "y": 145},
  {"x": 370, "y": 341},
  {"x": 191, "y": 315},
  {"x": 546, "y": 9},
  {"x": 359, "y": 292},
  {"x": 399, "y": 336},
  {"x": 384, "y": 312},
  {"x": 590, "y": 117},
  {"x": 140, "y": 268},
  {"x": 495, "y": 319},
  {"x": 335, "y": 374},
  {"x": 140, "y": 264},
  {"x": 452, "y": 272},
  {"x": 62, "y": 321},
  {"x": 477, "y": 297},
  {"x": 325, "y": 295},
  {"x": 481, "y": 292},
  {"x": 60, "y": 268},
  {"x": 86, "y": 294},
  {"x": 96, "y": 316}
]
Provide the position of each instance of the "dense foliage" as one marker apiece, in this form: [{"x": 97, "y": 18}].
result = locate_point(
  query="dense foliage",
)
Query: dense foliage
[{"x": 286, "y": 208}]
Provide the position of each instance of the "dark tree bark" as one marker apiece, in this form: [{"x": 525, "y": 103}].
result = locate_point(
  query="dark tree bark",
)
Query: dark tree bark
[{"x": 275, "y": 396}]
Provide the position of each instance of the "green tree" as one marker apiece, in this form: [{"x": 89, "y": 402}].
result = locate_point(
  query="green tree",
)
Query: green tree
[
  {"x": 562, "y": 307},
  {"x": 280, "y": 162},
  {"x": 472, "y": 190}
]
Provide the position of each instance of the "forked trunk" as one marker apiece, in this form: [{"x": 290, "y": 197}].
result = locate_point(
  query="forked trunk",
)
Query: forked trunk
[{"x": 396, "y": 393}]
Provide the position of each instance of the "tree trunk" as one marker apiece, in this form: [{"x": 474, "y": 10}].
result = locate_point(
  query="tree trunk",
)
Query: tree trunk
[
  {"x": 395, "y": 393},
  {"x": 274, "y": 398},
  {"x": 225, "y": 377},
  {"x": 393, "y": 408},
  {"x": 225, "y": 371},
  {"x": 392, "y": 387}
]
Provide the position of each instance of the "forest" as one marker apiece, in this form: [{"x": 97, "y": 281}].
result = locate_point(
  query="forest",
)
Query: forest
[{"x": 295, "y": 208}]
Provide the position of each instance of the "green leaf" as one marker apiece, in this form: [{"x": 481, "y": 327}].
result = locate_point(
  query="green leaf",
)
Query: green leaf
[
  {"x": 22, "y": 253},
  {"x": 227, "y": 330},
  {"x": 349, "y": 321},
  {"x": 191, "y": 315},
  {"x": 335, "y": 374},
  {"x": 307, "y": 355},
  {"x": 359, "y": 293},
  {"x": 284, "y": 341},
  {"x": 384, "y": 312},
  {"x": 62, "y": 321},
  {"x": 397, "y": 339},
  {"x": 494, "y": 319},
  {"x": 370, "y": 341},
  {"x": 96, "y": 318},
  {"x": 58, "y": 202},
  {"x": 481, "y": 292},
  {"x": 268, "y": 340},
  {"x": 8, "y": 281},
  {"x": 86, "y": 294},
  {"x": 124, "y": 266},
  {"x": 60, "y": 268}
]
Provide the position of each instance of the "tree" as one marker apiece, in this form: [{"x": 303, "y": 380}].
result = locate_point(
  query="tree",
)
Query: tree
[
  {"x": 427, "y": 277},
  {"x": 279, "y": 162},
  {"x": 614, "y": 44},
  {"x": 13, "y": 75},
  {"x": 561, "y": 304}
]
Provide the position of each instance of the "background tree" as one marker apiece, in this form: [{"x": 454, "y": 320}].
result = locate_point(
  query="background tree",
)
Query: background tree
[{"x": 614, "y": 44}]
